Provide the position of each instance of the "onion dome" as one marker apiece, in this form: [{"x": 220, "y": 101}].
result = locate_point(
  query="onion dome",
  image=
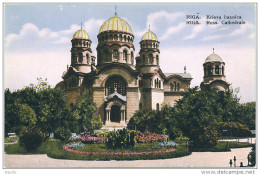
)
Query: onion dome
[
  {"x": 81, "y": 34},
  {"x": 115, "y": 24},
  {"x": 213, "y": 58},
  {"x": 149, "y": 35}
]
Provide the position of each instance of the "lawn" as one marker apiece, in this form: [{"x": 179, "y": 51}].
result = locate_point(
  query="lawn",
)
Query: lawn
[{"x": 54, "y": 149}]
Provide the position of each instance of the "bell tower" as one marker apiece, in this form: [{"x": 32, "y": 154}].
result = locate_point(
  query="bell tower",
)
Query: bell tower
[{"x": 81, "y": 53}]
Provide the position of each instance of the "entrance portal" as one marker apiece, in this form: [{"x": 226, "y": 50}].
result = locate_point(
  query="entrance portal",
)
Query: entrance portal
[{"x": 115, "y": 114}]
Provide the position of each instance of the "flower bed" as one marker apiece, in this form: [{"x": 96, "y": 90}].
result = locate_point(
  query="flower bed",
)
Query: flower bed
[
  {"x": 167, "y": 144},
  {"x": 149, "y": 137},
  {"x": 67, "y": 149},
  {"x": 87, "y": 138},
  {"x": 75, "y": 145}
]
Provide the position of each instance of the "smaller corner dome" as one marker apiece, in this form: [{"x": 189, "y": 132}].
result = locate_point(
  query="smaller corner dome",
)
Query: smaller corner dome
[
  {"x": 81, "y": 34},
  {"x": 213, "y": 58},
  {"x": 149, "y": 35}
]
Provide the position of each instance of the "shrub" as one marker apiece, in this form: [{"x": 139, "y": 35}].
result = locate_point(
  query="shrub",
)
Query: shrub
[
  {"x": 206, "y": 137},
  {"x": 62, "y": 134},
  {"x": 234, "y": 129},
  {"x": 251, "y": 156},
  {"x": 122, "y": 139},
  {"x": 31, "y": 138},
  {"x": 174, "y": 133},
  {"x": 149, "y": 137}
]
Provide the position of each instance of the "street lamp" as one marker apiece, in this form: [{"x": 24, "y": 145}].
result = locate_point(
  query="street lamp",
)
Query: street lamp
[{"x": 234, "y": 161}]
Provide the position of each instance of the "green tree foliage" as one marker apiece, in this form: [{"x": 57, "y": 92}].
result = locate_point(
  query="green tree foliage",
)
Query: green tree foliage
[
  {"x": 247, "y": 113},
  {"x": 31, "y": 138},
  {"x": 122, "y": 139},
  {"x": 18, "y": 116},
  {"x": 234, "y": 129},
  {"x": 48, "y": 104},
  {"x": 85, "y": 112},
  {"x": 62, "y": 133},
  {"x": 153, "y": 121},
  {"x": 196, "y": 116}
]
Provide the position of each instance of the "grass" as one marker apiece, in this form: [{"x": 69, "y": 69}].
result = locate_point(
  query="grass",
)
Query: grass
[{"x": 54, "y": 149}]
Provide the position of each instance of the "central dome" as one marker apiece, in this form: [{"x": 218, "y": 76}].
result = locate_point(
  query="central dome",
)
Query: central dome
[
  {"x": 115, "y": 23},
  {"x": 213, "y": 58}
]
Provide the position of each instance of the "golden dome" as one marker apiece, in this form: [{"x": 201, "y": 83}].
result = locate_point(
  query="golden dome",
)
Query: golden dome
[
  {"x": 81, "y": 34},
  {"x": 115, "y": 23},
  {"x": 149, "y": 35}
]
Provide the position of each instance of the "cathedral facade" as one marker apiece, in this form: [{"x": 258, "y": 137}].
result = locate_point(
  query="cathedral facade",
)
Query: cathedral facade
[{"x": 119, "y": 82}]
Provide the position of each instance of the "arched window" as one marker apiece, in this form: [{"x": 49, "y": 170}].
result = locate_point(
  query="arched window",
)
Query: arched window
[
  {"x": 115, "y": 84},
  {"x": 106, "y": 38},
  {"x": 140, "y": 106},
  {"x": 178, "y": 87},
  {"x": 157, "y": 106},
  {"x": 155, "y": 83},
  {"x": 80, "y": 57},
  {"x": 209, "y": 70},
  {"x": 125, "y": 55},
  {"x": 76, "y": 58},
  {"x": 73, "y": 57},
  {"x": 115, "y": 38},
  {"x": 151, "y": 58},
  {"x": 175, "y": 86},
  {"x": 106, "y": 54},
  {"x": 110, "y": 37},
  {"x": 87, "y": 57},
  {"x": 223, "y": 70},
  {"x": 143, "y": 59},
  {"x": 124, "y": 38},
  {"x": 120, "y": 37},
  {"x": 217, "y": 69},
  {"x": 157, "y": 59},
  {"x": 171, "y": 87},
  {"x": 132, "y": 57},
  {"x": 115, "y": 54},
  {"x": 159, "y": 84}
]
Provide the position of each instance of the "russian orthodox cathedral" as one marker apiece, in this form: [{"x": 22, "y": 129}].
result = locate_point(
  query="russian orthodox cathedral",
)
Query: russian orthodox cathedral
[{"x": 121, "y": 83}]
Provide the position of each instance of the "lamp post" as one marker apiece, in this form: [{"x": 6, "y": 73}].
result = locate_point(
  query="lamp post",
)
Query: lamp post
[{"x": 234, "y": 161}]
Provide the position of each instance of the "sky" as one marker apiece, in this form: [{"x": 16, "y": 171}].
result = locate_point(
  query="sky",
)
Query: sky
[{"x": 37, "y": 39}]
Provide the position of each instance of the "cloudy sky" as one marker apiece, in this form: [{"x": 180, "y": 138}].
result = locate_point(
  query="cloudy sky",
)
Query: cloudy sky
[{"x": 37, "y": 39}]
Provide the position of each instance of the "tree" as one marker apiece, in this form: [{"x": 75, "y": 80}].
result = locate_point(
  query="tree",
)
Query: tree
[
  {"x": 153, "y": 121},
  {"x": 247, "y": 113},
  {"x": 49, "y": 105},
  {"x": 18, "y": 116},
  {"x": 85, "y": 112}
]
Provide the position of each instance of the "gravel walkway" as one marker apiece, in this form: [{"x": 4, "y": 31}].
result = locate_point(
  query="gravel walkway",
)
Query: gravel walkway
[{"x": 196, "y": 159}]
